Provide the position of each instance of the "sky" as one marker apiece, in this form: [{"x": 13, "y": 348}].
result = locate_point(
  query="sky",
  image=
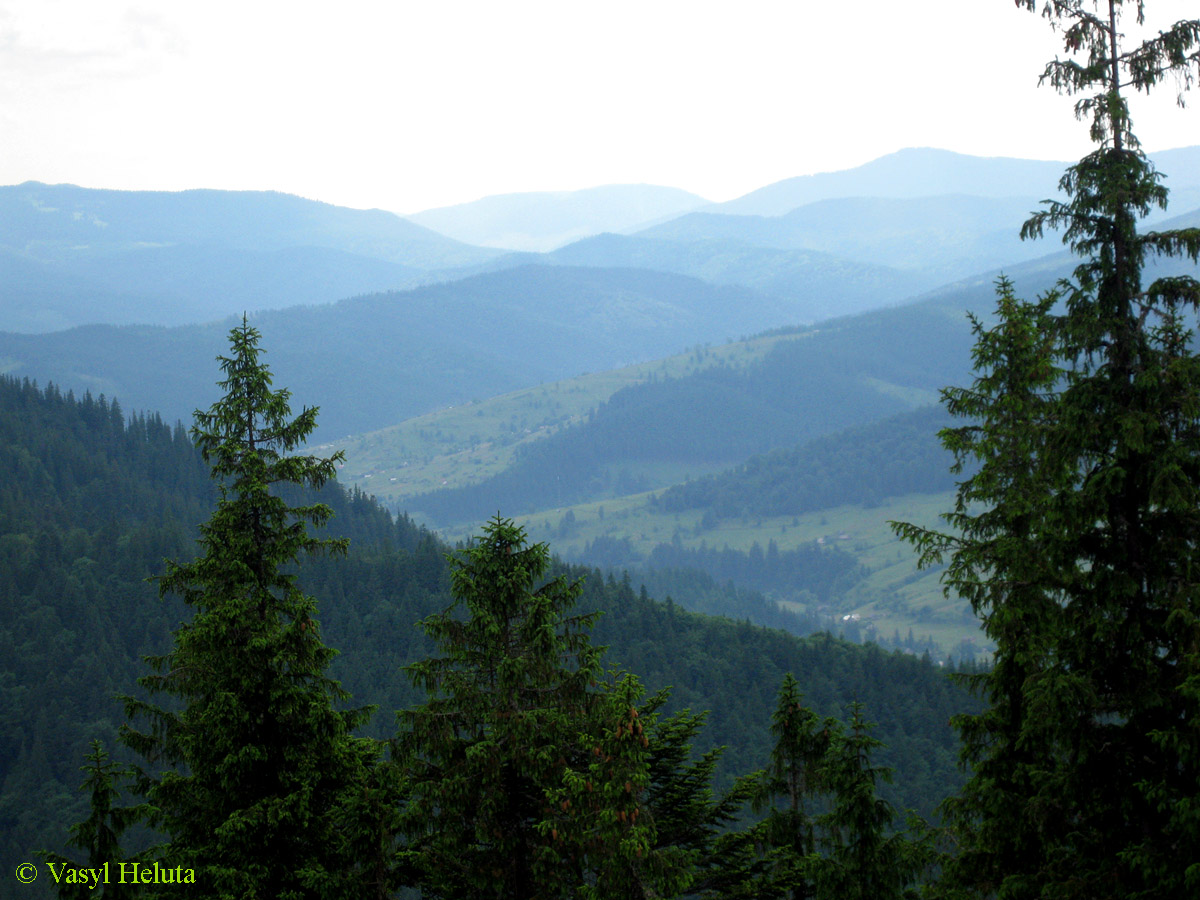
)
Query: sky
[{"x": 406, "y": 105}]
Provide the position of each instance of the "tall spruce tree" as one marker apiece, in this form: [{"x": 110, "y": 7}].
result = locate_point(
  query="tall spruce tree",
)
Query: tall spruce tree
[
  {"x": 255, "y": 765},
  {"x": 860, "y": 855},
  {"x": 851, "y": 850},
  {"x": 690, "y": 823},
  {"x": 530, "y": 772},
  {"x": 99, "y": 835},
  {"x": 1076, "y": 537},
  {"x": 782, "y": 847}
]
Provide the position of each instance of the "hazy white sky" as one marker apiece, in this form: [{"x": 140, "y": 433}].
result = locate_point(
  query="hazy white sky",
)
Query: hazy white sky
[{"x": 408, "y": 105}]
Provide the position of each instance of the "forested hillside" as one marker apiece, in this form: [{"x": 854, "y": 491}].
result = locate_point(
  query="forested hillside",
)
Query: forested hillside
[
  {"x": 936, "y": 238},
  {"x": 762, "y": 526},
  {"x": 821, "y": 284},
  {"x": 74, "y": 256},
  {"x": 843, "y": 373},
  {"x": 372, "y": 361},
  {"x": 863, "y": 465},
  {"x": 91, "y": 503},
  {"x": 227, "y": 666}
]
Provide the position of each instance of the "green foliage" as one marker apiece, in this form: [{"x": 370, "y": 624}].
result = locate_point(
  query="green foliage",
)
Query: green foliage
[
  {"x": 850, "y": 851},
  {"x": 522, "y": 777},
  {"x": 863, "y": 858},
  {"x": 1076, "y": 540},
  {"x": 776, "y": 856},
  {"x": 426, "y": 452},
  {"x": 850, "y": 372},
  {"x": 688, "y": 819},
  {"x": 100, "y": 834},
  {"x": 516, "y": 328},
  {"x": 705, "y": 595},
  {"x": 258, "y": 760},
  {"x": 996, "y": 518},
  {"x": 89, "y": 503},
  {"x": 809, "y": 569},
  {"x": 116, "y": 495},
  {"x": 863, "y": 465}
]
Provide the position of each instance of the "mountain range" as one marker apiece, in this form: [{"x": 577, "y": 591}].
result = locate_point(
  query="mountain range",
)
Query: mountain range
[
  {"x": 372, "y": 361},
  {"x": 74, "y": 256},
  {"x": 93, "y": 503},
  {"x": 929, "y": 172},
  {"x": 861, "y": 298},
  {"x": 546, "y": 220},
  {"x": 830, "y": 244}
]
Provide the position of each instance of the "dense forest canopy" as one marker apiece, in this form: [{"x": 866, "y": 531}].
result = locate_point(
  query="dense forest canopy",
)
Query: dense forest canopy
[
  {"x": 102, "y": 498},
  {"x": 276, "y": 688},
  {"x": 1074, "y": 539}
]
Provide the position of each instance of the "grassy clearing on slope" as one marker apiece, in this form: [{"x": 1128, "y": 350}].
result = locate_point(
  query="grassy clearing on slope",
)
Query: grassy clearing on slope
[
  {"x": 468, "y": 443},
  {"x": 894, "y": 597}
]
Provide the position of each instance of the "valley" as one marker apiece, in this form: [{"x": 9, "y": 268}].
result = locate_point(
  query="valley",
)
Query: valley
[
  {"x": 889, "y": 594},
  {"x": 509, "y": 451},
  {"x": 590, "y": 377},
  {"x": 466, "y": 444},
  {"x": 717, "y": 415}
]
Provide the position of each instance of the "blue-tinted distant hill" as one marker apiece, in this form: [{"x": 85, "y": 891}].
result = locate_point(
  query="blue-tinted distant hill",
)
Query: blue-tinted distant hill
[
  {"x": 540, "y": 221},
  {"x": 934, "y": 240},
  {"x": 821, "y": 285},
  {"x": 842, "y": 373},
  {"x": 888, "y": 231},
  {"x": 373, "y": 361},
  {"x": 927, "y": 172},
  {"x": 71, "y": 255},
  {"x": 182, "y": 284},
  {"x": 943, "y": 238}
]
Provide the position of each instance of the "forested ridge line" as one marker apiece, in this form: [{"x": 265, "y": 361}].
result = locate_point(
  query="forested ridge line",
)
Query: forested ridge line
[
  {"x": 863, "y": 465},
  {"x": 93, "y": 500}
]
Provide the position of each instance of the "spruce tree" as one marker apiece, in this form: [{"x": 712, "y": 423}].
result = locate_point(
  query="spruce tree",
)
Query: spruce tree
[
  {"x": 529, "y": 773},
  {"x": 860, "y": 855},
  {"x": 1075, "y": 538},
  {"x": 690, "y": 822},
  {"x": 782, "y": 847},
  {"x": 251, "y": 763},
  {"x": 99, "y": 835},
  {"x": 851, "y": 850}
]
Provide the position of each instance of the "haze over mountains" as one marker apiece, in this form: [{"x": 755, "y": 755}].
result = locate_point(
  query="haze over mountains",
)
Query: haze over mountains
[
  {"x": 831, "y": 244},
  {"x": 424, "y": 321},
  {"x": 542, "y": 221},
  {"x": 73, "y": 256},
  {"x": 928, "y": 172},
  {"x": 371, "y": 361},
  {"x": 861, "y": 279}
]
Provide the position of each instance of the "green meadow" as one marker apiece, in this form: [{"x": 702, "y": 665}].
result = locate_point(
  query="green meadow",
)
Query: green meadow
[{"x": 470, "y": 442}]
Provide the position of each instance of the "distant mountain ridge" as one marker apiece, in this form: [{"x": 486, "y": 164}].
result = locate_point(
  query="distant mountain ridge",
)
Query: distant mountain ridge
[
  {"x": 819, "y": 284},
  {"x": 841, "y": 373},
  {"x": 373, "y": 361},
  {"x": 892, "y": 231},
  {"x": 944, "y": 237},
  {"x": 47, "y": 218},
  {"x": 544, "y": 220},
  {"x": 177, "y": 285},
  {"x": 72, "y": 256},
  {"x": 929, "y": 172}
]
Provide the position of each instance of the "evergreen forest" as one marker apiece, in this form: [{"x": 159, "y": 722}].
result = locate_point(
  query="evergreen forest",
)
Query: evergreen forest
[
  {"x": 224, "y": 674},
  {"x": 103, "y": 498}
]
